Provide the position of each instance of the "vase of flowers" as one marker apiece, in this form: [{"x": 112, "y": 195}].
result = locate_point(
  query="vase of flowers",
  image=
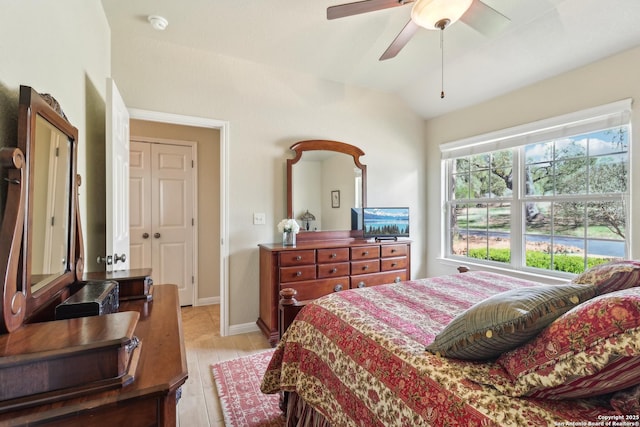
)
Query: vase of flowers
[{"x": 289, "y": 228}]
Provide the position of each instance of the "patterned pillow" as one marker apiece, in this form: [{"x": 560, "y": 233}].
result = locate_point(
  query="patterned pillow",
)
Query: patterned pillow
[
  {"x": 627, "y": 401},
  {"x": 613, "y": 276},
  {"x": 591, "y": 350},
  {"x": 506, "y": 320}
]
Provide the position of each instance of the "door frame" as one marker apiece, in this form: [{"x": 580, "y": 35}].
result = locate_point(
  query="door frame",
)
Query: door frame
[{"x": 223, "y": 127}]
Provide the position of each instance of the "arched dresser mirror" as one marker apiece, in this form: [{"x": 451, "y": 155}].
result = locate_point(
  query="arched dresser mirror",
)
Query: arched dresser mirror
[
  {"x": 41, "y": 249},
  {"x": 325, "y": 180}
]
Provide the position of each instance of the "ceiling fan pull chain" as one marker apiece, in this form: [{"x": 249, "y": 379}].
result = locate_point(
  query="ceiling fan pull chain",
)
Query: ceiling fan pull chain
[{"x": 442, "y": 62}]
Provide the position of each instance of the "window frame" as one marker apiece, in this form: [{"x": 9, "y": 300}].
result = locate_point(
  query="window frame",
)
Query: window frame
[{"x": 516, "y": 138}]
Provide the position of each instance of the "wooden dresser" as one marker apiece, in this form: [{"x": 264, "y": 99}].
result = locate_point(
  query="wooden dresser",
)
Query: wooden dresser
[
  {"x": 317, "y": 268},
  {"x": 151, "y": 397}
]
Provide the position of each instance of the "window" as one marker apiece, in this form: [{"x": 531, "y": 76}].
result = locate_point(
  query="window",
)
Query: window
[{"x": 551, "y": 195}]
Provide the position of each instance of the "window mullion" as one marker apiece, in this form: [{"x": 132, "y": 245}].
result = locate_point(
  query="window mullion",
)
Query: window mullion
[{"x": 517, "y": 211}]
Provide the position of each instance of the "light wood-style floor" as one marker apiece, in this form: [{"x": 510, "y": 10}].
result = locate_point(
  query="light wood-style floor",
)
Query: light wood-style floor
[{"x": 199, "y": 405}]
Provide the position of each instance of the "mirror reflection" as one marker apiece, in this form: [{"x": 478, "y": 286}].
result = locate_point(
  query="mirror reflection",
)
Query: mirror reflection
[
  {"x": 51, "y": 209},
  {"x": 325, "y": 186}
]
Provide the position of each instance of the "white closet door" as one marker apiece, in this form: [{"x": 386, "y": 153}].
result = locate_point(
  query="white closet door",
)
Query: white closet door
[{"x": 162, "y": 203}]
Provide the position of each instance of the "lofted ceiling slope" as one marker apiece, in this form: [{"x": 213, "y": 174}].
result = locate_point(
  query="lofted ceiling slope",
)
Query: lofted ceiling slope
[{"x": 544, "y": 38}]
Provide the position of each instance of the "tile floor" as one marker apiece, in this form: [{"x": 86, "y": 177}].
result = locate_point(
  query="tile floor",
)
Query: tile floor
[{"x": 199, "y": 405}]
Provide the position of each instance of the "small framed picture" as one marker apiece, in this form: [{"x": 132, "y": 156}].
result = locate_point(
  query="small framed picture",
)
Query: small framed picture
[{"x": 335, "y": 198}]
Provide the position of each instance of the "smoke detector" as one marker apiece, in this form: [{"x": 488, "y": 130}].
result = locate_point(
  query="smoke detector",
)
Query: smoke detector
[{"x": 158, "y": 22}]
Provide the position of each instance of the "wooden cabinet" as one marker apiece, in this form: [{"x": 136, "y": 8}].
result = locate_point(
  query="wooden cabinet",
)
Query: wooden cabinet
[{"x": 317, "y": 268}]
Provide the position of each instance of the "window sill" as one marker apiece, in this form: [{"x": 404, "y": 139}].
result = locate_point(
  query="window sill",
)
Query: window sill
[{"x": 522, "y": 274}]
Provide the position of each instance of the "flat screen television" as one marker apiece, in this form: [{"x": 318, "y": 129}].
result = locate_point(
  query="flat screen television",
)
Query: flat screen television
[{"x": 385, "y": 223}]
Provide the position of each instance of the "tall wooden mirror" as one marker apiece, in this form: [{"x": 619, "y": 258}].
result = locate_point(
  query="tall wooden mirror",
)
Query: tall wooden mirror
[
  {"x": 41, "y": 248},
  {"x": 325, "y": 181}
]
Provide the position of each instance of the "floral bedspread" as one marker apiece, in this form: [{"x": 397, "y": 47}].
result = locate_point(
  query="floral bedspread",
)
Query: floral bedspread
[{"x": 358, "y": 358}]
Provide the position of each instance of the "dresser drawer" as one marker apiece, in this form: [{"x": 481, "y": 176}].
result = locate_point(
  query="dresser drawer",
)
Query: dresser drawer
[
  {"x": 333, "y": 270},
  {"x": 298, "y": 273},
  {"x": 317, "y": 288},
  {"x": 393, "y": 250},
  {"x": 366, "y": 280},
  {"x": 365, "y": 252},
  {"x": 364, "y": 267},
  {"x": 288, "y": 258},
  {"x": 399, "y": 263},
  {"x": 333, "y": 255}
]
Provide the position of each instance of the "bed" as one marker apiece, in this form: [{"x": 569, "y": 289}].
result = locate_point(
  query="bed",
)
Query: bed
[{"x": 360, "y": 357}]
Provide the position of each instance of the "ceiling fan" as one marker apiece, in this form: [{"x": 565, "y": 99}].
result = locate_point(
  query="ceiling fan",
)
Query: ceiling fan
[{"x": 429, "y": 14}]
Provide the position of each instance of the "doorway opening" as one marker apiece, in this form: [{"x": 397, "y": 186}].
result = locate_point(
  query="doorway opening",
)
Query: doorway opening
[{"x": 222, "y": 142}]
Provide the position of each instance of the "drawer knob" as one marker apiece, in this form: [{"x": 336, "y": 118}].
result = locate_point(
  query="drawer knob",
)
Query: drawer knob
[
  {"x": 365, "y": 253},
  {"x": 333, "y": 270},
  {"x": 298, "y": 273},
  {"x": 334, "y": 255},
  {"x": 361, "y": 285},
  {"x": 365, "y": 267},
  {"x": 393, "y": 251},
  {"x": 393, "y": 264},
  {"x": 298, "y": 258},
  {"x": 337, "y": 288},
  {"x": 397, "y": 280}
]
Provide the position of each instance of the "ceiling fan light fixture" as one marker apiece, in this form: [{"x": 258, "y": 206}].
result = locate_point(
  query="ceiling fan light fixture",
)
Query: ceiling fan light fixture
[{"x": 430, "y": 14}]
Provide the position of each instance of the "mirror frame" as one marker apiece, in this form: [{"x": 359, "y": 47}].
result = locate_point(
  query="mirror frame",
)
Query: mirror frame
[
  {"x": 19, "y": 303},
  {"x": 300, "y": 148}
]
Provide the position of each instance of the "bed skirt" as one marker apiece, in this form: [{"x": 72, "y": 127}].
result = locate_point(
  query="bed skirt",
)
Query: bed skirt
[{"x": 301, "y": 414}]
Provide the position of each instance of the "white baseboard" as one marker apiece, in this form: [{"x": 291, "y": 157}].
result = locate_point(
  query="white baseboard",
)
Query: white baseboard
[
  {"x": 243, "y": 328},
  {"x": 208, "y": 301}
]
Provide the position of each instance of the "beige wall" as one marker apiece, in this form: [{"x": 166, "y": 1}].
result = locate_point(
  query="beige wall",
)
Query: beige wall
[
  {"x": 605, "y": 81},
  {"x": 208, "y": 224},
  {"x": 62, "y": 48},
  {"x": 268, "y": 110}
]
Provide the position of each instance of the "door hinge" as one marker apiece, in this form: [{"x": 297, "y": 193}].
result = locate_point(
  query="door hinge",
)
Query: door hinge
[
  {"x": 193, "y": 280},
  {"x": 193, "y": 222},
  {"x": 192, "y": 164}
]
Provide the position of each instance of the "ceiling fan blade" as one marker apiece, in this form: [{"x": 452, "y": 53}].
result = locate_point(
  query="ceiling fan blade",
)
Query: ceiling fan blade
[
  {"x": 342, "y": 10},
  {"x": 485, "y": 19},
  {"x": 400, "y": 41}
]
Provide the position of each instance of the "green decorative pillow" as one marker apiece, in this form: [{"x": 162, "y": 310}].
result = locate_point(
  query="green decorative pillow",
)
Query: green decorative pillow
[{"x": 506, "y": 320}]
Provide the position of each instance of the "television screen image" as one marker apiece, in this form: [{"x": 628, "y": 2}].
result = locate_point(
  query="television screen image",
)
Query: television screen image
[{"x": 385, "y": 223}]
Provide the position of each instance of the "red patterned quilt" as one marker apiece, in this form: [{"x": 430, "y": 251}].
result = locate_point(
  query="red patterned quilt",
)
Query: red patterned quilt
[{"x": 358, "y": 358}]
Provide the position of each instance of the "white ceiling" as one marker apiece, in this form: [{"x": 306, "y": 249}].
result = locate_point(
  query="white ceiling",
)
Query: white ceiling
[{"x": 543, "y": 39}]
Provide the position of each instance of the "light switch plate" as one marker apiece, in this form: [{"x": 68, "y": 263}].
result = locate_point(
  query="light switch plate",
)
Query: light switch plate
[{"x": 259, "y": 218}]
